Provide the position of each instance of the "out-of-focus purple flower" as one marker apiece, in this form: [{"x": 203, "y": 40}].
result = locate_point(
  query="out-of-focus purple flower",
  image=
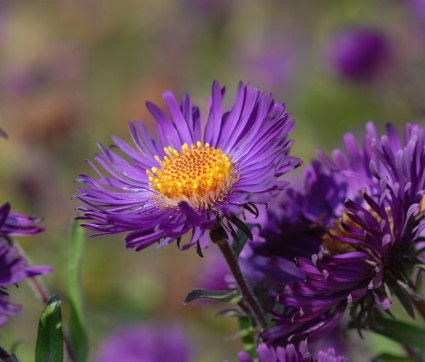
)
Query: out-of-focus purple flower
[
  {"x": 59, "y": 64},
  {"x": 17, "y": 224},
  {"x": 359, "y": 53},
  {"x": 418, "y": 8},
  {"x": 145, "y": 344},
  {"x": 369, "y": 247},
  {"x": 13, "y": 266},
  {"x": 214, "y": 272},
  {"x": 291, "y": 353},
  {"x": 193, "y": 177},
  {"x": 268, "y": 61}
]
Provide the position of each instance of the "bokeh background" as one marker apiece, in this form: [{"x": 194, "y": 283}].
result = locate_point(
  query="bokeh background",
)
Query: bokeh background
[{"x": 73, "y": 72}]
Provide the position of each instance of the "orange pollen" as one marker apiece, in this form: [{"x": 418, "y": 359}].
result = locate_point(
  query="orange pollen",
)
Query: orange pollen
[{"x": 200, "y": 175}]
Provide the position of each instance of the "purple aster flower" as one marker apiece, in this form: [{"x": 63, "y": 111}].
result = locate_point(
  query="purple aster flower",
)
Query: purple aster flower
[
  {"x": 193, "y": 176},
  {"x": 13, "y": 266},
  {"x": 145, "y": 344},
  {"x": 359, "y": 53},
  {"x": 369, "y": 247},
  {"x": 300, "y": 215},
  {"x": 17, "y": 224},
  {"x": 291, "y": 353}
]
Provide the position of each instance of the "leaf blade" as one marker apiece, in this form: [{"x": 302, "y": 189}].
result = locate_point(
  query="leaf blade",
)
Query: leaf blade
[
  {"x": 230, "y": 296},
  {"x": 49, "y": 345},
  {"x": 403, "y": 333}
]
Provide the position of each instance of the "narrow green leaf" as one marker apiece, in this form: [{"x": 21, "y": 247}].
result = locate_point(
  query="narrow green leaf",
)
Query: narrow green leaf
[
  {"x": 241, "y": 238},
  {"x": 384, "y": 357},
  {"x": 247, "y": 336},
  {"x": 49, "y": 347},
  {"x": 230, "y": 296},
  {"x": 77, "y": 329},
  {"x": 229, "y": 312},
  {"x": 403, "y": 333}
]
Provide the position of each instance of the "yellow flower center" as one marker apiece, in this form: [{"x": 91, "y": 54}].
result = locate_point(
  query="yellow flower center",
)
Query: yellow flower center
[
  {"x": 334, "y": 246},
  {"x": 199, "y": 175}
]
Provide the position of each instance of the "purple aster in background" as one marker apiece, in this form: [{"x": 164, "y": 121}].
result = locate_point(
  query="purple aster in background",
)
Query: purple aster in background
[
  {"x": 291, "y": 354},
  {"x": 17, "y": 224},
  {"x": 192, "y": 177},
  {"x": 268, "y": 59},
  {"x": 145, "y": 344},
  {"x": 215, "y": 272},
  {"x": 359, "y": 53},
  {"x": 13, "y": 266},
  {"x": 369, "y": 247},
  {"x": 418, "y": 9}
]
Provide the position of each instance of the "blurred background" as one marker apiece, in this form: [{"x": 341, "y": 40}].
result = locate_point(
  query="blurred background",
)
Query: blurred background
[{"x": 73, "y": 72}]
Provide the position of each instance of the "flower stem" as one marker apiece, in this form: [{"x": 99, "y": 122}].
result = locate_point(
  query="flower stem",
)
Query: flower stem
[{"x": 219, "y": 237}]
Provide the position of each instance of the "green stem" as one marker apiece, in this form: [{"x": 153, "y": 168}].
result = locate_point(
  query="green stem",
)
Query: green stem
[{"x": 219, "y": 237}]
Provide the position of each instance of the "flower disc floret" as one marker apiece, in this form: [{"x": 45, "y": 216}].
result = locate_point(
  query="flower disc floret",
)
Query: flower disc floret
[{"x": 200, "y": 175}]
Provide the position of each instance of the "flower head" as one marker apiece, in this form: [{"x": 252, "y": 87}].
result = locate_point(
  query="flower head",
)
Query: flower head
[
  {"x": 291, "y": 353},
  {"x": 359, "y": 53},
  {"x": 191, "y": 177},
  {"x": 17, "y": 224},
  {"x": 13, "y": 266},
  {"x": 369, "y": 245},
  {"x": 145, "y": 344},
  {"x": 299, "y": 215}
]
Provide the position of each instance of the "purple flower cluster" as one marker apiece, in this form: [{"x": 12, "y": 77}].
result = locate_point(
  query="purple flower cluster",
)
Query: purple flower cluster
[
  {"x": 346, "y": 237},
  {"x": 291, "y": 354},
  {"x": 359, "y": 217},
  {"x": 13, "y": 266}
]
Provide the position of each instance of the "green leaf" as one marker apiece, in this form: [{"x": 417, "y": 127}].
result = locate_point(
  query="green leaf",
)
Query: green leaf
[
  {"x": 241, "y": 238},
  {"x": 77, "y": 329},
  {"x": 230, "y": 296},
  {"x": 230, "y": 312},
  {"x": 388, "y": 357},
  {"x": 247, "y": 336},
  {"x": 400, "y": 332},
  {"x": 49, "y": 347}
]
